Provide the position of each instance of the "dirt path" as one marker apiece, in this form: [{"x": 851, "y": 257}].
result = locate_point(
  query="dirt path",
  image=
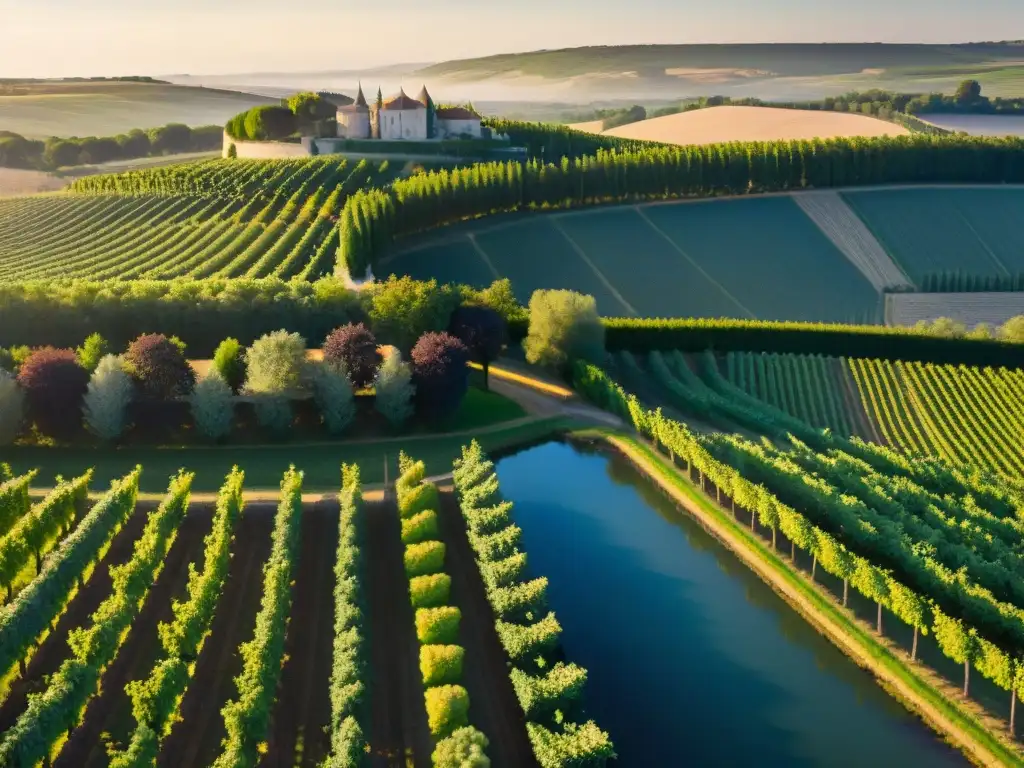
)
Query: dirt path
[
  {"x": 811, "y": 612},
  {"x": 399, "y": 735},
  {"x": 494, "y": 708},
  {"x": 111, "y": 711},
  {"x": 54, "y": 649},
  {"x": 196, "y": 740},
  {"x": 303, "y": 710}
]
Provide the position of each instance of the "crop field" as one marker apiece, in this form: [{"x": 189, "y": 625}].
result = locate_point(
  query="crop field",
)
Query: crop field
[
  {"x": 210, "y": 219},
  {"x": 190, "y": 633},
  {"x": 714, "y": 125},
  {"x": 964, "y": 414},
  {"x": 981, "y": 125},
  {"x": 40, "y": 109},
  {"x": 970, "y": 308},
  {"x": 931, "y": 231},
  {"x": 760, "y": 258}
]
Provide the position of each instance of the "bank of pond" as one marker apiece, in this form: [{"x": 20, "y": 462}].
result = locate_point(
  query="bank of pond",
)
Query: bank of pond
[{"x": 693, "y": 659}]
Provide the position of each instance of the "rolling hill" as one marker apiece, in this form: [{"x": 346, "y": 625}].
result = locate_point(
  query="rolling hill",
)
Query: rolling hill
[
  {"x": 763, "y": 70},
  {"x": 41, "y": 108},
  {"x": 720, "y": 124}
]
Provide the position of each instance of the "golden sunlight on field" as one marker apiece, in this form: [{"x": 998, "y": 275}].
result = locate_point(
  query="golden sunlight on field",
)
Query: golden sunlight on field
[
  {"x": 716, "y": 124},
  {"x": 16, "y": 182},
  {"x": 593, "y": 126}
]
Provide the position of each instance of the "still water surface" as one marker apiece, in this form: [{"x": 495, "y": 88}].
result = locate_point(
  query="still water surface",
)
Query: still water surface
[{"x": 693, "y": 661}]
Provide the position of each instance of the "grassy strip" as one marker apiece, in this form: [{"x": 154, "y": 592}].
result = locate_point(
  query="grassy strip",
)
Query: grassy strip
[
  {"x": 265, "y": 464},
  {"x": 971, "y": 729}
]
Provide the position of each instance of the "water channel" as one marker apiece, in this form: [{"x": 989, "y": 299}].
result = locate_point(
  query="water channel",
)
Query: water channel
[{"x": 693, "y": 660}]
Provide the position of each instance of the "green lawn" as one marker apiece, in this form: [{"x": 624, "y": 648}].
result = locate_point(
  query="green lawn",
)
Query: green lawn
[{"x": 264, "y": 464}]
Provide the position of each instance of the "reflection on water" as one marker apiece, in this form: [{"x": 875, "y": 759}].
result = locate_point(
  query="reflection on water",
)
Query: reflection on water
[{"x": 692, "y": 659}]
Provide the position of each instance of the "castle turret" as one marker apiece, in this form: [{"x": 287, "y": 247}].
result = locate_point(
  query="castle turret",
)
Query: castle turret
[{"x": 426, "y": 101}]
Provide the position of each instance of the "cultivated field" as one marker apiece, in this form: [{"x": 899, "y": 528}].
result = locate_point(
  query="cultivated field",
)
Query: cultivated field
[
  {"x": 759, "y": 258},
  {"x": 42, "y": 109},
  {"x": 981, "y": 125},
  {"x": 230, "y": 634},
  {"x": 217, "y": 218},
  {"x": 965, "y": 414},
  {"x": 930, "y": 231},
  {"x": 19, "y": 182},
  {"x": 720, "y": 124},
  {"x": 971, "y": 308}
]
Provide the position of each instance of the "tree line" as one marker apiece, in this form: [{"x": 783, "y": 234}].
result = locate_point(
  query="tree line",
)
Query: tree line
[
  {"x": 16, "y": 151},
  {"x": 372, "y": 219}
]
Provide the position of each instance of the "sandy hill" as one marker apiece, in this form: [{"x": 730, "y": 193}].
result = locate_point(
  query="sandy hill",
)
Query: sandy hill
[{"x": 715, "y": 124}]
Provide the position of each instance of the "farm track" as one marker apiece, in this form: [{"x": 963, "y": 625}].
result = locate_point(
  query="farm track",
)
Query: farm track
[
  {"x": 303, "y": 710},
  {"x": 399, "y": 735},
  {"x": 111, "y": 711},
  {"x": 54, "y": 649},
  {"x": 494, "y": 708},
  {"x": 195, "y": 741}
]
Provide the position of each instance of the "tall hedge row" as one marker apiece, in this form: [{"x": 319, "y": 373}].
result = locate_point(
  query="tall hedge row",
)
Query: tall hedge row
[{"x": 372, "y": 219}]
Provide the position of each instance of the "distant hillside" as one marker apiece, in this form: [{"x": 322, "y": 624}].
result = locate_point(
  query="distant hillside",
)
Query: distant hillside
[
  {"x": 765, "y": 70},
  {"x": 41, "y": 108}
]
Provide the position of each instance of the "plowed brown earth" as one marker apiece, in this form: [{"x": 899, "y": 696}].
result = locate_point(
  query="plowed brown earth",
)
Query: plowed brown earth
[
  {"x": 111, "y": 711},
  {"x": 196, "y": 740},
  {"x": 493, "y": 707},
  {"x": 302, "y": 711},
  {"x": 399, "y": 735},
  {"x": 54, "y": 649}
]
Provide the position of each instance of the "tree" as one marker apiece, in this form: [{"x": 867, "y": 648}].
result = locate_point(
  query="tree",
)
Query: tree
[
  {"x": 170, "y": 139},
  {"x": 483, "y": 332},
  {"x": 463, "y": 749},
  {"x": 333, "y": 393},
  {"x": 229, "y": 362},
  {"x": 135, "y": 143},
  {"x": 394, "y": 389},
  {"x": 275, "y": 364},
  {"x": 564, "y": 326},
  {"x": 107, "y": 398},
  {"x": 353, "y": 347},
  {"x": 269, "y": 123},
  {"x": 1012, "y": 329},
  {"x": 968, "y": 92},
  {"x": 311, "y": 111},
  {"x": 403, "y": 309},
  {"x": 440, "y": 373},
  {"x": 212, "y": 406},
  {"x": 12, "y": 408},
  {"x": 500, "y": 297},
  {"x": 54, "y": 385},
  {"x": 94, "y": 349},
  {"x": 159, "y": 366},
  {"x": 60, "y": 153}
]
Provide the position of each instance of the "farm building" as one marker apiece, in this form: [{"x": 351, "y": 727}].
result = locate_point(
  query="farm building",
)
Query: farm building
[{"x": 403, "y": 118}]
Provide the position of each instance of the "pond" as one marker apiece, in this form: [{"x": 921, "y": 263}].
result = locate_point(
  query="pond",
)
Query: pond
[{"x": 693, "y": 660}]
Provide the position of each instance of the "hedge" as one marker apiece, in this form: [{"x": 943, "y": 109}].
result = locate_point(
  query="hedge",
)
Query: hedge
[
  {"x": 438, "y": 626},
  {"x": 441, "y": 664},
  {"x": 431, "y": 591},
  {"x": 420, "y": 527},
  {"x": 423, "y": 559},
  {"x": 447, "y": 709},
  {"x": 643, "y": 335}
]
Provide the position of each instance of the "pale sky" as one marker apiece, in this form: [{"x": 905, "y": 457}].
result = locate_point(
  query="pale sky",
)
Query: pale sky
[{"x": 47, "y": 38}]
